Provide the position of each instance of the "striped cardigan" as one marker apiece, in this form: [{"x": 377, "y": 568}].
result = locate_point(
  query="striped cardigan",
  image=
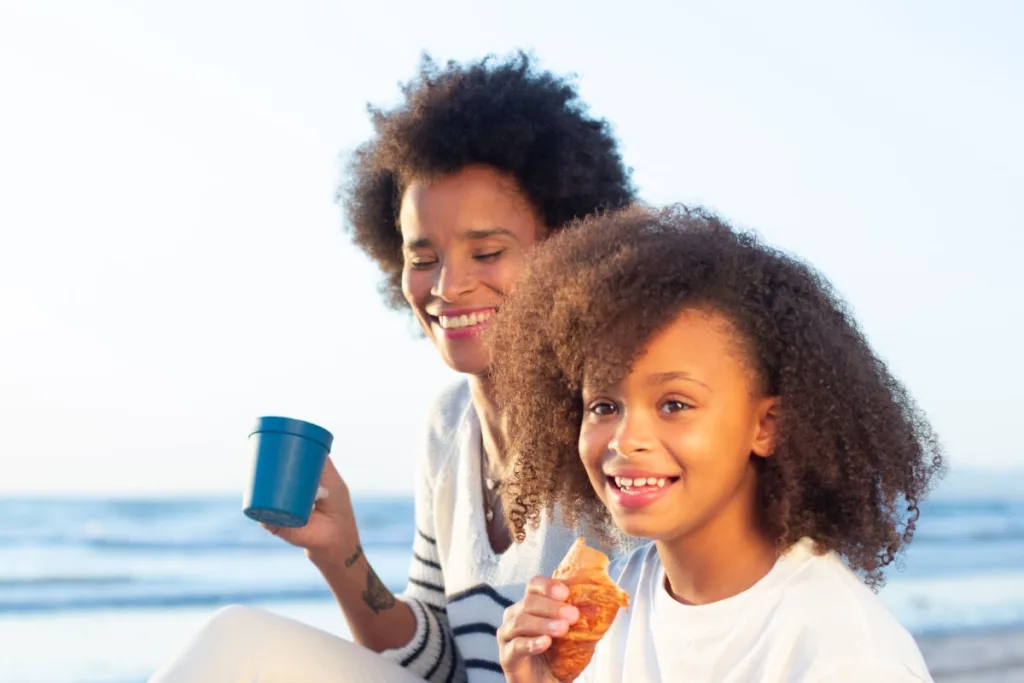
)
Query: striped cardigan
[{"x": 458, "y": 588}]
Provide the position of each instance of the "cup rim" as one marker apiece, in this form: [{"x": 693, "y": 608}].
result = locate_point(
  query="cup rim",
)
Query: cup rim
[{"x": 293, "y": 427}]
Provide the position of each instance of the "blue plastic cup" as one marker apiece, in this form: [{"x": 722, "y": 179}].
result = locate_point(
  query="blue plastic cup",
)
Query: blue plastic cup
[{"x": 288, "y": 458}]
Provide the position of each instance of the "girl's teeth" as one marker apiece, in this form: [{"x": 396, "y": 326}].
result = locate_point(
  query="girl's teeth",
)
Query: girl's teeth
[{"x": 627, "y": 482}]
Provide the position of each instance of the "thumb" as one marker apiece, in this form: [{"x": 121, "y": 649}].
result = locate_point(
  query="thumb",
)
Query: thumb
[
  {"x": 522, "y": 660},
  {"x": 329, "y": 478}
]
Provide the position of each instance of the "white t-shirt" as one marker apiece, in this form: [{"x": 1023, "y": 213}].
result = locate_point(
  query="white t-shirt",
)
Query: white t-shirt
[{"x": 809, "y": 620}]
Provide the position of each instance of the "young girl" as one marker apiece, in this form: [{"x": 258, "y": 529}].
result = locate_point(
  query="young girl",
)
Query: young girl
[{"x": 724, "y": 405}]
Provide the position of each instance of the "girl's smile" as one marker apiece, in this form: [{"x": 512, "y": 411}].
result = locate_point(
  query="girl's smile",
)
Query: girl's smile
[
  {"x": 632, "y": 488},
  {"x": 635, "y": 496}
]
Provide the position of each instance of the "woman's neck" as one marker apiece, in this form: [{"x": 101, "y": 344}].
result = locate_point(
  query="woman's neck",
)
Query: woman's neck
[
  {"x": 481, "y": 392},
  {"x": 718, "y": 561}
]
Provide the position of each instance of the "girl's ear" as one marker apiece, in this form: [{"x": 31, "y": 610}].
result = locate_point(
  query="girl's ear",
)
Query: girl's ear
[{"x": 766, "y": 433}]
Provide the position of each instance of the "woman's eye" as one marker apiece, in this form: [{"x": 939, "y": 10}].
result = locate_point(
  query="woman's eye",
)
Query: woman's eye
[
  {"x": 602, "y": 408},
  {"x": 490, "y": 256},
  {"x": 675, "y": 406},
  {"x": 421, "y": 263}
]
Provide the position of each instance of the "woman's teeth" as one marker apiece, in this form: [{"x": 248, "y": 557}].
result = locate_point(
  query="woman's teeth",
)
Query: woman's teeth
[
  {"x": 468, "y": 320},
  {"x": 626, "y": 483}
]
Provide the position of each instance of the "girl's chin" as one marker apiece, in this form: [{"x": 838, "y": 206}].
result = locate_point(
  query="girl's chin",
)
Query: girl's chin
[
  {"x": 638, "y": 530},
  {"x": 651, "y": 528}
]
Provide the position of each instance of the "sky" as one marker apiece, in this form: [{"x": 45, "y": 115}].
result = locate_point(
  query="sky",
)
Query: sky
[{"x": 173, "y": 264}]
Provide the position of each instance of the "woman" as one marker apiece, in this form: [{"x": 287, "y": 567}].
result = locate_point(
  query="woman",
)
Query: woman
[{"x": 460, "y": 180}]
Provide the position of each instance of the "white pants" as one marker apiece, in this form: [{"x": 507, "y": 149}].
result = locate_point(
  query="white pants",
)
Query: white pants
[{"x": 245, "y": 645}]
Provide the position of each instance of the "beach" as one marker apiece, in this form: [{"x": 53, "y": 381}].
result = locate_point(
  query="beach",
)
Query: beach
[{"x": 993, "y": 657}]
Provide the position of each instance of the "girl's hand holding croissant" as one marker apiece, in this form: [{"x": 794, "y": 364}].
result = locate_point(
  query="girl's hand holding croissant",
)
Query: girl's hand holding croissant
[{"x": 528, "y": 627}]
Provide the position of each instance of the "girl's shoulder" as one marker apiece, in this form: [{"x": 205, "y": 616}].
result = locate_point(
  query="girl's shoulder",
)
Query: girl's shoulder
[{"x": 824, "y": 608}]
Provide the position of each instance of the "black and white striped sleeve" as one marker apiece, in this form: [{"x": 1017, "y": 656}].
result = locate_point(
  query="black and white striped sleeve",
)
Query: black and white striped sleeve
[{"x": 431, "y": 653}]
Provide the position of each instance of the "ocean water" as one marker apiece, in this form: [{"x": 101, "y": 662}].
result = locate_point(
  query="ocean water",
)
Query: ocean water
[{"x": 158, "y": 566}]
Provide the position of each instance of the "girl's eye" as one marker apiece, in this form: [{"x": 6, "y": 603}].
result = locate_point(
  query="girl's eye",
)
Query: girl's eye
[
  {"x": 492, "y": 256},
  {"x": 673, "y": 405},
  {"x": 602, "y": 408}
]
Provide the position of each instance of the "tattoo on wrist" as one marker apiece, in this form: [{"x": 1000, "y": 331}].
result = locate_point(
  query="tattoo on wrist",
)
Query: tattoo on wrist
[
  {"x": 377, "y": 596},
  {"x": 351, "y": 560}
]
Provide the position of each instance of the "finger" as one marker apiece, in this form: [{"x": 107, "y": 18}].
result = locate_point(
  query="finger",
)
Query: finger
[
  {"x": 284, "y": 533},
  {"x": 543, "y": 606},
  {"x": 552, "y": 588},
  {"x": 321, "y": 494},
  {"x": 515, "y": 651},
  {"x": 526, "y": 625}
]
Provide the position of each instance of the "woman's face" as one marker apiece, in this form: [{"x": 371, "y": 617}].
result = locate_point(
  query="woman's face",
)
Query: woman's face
[
  {"x": 464, "y": 240},
  {"x": 669, "y": 450}
]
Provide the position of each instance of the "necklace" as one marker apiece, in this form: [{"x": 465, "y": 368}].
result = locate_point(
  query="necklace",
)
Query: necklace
[
  {"x": 493, "y": 496},
  {"x": 492, "y": 487}
]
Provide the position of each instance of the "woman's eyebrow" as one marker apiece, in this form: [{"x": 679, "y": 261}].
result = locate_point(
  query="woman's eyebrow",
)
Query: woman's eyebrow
[
  {"x": 483, "y": 233},
  {"x": 467, "y": 236}
]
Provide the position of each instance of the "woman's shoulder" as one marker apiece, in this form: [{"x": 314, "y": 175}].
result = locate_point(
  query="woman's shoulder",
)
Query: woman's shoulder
[
  {"x": 447, "y": 408},
  {"x": 630, "y": 569},
  {"x": 447, "y": 415}
]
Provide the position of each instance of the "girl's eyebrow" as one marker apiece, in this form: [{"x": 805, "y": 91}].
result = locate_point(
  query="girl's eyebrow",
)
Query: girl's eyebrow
[{"x": 664, "y": 377}]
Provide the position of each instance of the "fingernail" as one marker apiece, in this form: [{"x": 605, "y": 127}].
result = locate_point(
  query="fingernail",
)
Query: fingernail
[
  {"x": 559, "y": 592},
  {"x": 321, "y": 493},
  {"x": 558, "y": 627},
  {"x": 569, "y": 613},
  {"x": 536, "y": 644}
]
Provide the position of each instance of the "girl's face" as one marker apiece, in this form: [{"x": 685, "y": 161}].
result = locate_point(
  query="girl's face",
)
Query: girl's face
[
  {"x": 670, "y": 449},
  {"x": 464, "y": 239}
]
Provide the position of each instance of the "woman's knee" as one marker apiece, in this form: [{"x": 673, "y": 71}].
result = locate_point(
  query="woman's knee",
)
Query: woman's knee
[
  {"x": 232, "y": 616},
  {"x": 221, "y": 649},
  {"x": 235, "y": 623}
]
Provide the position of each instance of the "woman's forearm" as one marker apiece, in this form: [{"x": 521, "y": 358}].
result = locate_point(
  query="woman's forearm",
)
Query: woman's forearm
[{"x": 377, "y": 619}]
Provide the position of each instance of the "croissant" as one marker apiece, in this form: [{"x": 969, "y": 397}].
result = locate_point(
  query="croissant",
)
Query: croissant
[{"x": 584, "y": 571}]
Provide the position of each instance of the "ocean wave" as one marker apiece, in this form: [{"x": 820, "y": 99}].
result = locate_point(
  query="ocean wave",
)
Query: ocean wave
[
  {"x": 950, "y": 532},
  {"x": 63, "y": 581},
  {"x": 209, "y": 545},
  {"x": 207, "y": 526},
  {"x": 224, "y": 596},
  {"x": 129, "y": 593}
]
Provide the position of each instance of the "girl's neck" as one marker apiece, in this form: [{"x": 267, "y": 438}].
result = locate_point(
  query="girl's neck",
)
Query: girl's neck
[
  {"x": 481, "y": 392},
  {"x": 716, "y": 562}
]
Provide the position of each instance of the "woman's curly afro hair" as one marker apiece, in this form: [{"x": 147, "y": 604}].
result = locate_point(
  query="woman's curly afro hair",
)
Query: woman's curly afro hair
[
  {"x": 855, "y": 455},
  {"x": 507, "y": 114}
]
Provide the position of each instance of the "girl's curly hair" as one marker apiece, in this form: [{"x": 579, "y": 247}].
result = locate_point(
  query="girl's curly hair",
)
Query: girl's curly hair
[
  {"x": 855, "y": 454},
  {"x": 507, "y": 114}
]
